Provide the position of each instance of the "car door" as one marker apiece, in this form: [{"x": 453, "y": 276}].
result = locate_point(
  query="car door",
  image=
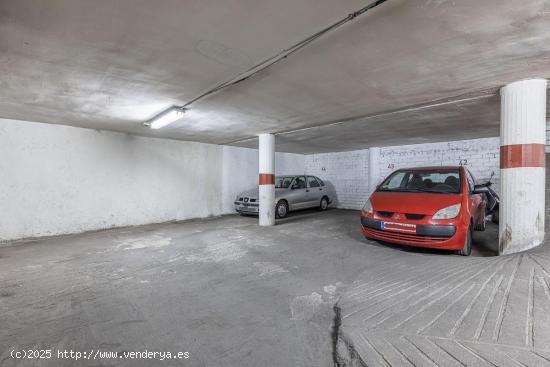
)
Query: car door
[
  {"x": 477, "y": 201},
  {"x": 314, "y": 192},
  {"x": 326, "y": 190},
  {"x": 298, "y": 196}
]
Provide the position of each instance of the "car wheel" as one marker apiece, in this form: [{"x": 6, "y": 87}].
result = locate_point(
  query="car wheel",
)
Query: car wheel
[
  {"x": 281, "y": 209},
  {"x": 323, "y": 205},
  {"x": 494, "y": 217},
  {"x": 467, "y": 249}
]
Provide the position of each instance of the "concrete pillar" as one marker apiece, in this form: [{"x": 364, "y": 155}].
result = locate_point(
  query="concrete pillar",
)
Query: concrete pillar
[
  {"x": 374, "y": 169},
  {"x": 267, "y": 179},
  {"x": 522, "y": 165}
]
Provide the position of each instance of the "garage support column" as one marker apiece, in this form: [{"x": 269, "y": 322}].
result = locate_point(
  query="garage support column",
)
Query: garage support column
[
  {"x": 267, "y": 179},
  {"x": 522, "y": 165},
  {"x": 374, "y": 171}
]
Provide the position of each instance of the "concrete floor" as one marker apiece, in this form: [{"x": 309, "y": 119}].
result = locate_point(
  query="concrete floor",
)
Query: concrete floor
[
  {"x": 419, "y": 309},
  {"x": 223, "y": 289},
  {"x": 233, "y": 294},
  {"x": 416, "y": 309}
]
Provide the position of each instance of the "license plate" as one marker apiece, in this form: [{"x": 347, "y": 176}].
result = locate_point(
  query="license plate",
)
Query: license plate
[{"x": 399, "y": 227}]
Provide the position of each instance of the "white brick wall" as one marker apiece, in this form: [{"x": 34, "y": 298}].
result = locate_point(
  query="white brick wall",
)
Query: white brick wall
[
  {"x": 348, "y": 171},
  {"x": 481, "y": 156}
]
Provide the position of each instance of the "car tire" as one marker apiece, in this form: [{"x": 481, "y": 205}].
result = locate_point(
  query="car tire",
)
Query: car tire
[
  {"x": 281, "y": 209},
  {"x": 467, "y": 249},
  {"x": 494, "y": 217},
  {"x": 323, "y": 204}
]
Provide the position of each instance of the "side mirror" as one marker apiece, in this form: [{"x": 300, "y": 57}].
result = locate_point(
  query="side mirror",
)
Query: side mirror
[
  {"x": 480, "y": 189},
  {"x": 294, "y": 186}
]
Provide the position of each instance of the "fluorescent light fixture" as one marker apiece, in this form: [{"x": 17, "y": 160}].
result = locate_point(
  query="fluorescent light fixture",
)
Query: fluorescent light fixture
[{"x": 166, "y": 118}]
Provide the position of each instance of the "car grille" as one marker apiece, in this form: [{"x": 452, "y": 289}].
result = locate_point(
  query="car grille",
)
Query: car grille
[
  {"x": 386, "y": 214},
  {"x": 387, "y": 235},
  {"x": 414, "y": 216},
  {"x": 247, "y": 199}
]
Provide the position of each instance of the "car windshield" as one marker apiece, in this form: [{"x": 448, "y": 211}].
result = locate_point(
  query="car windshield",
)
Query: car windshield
[
  {"x": 444, "y": 181},
  {"x": 283, "y": 182}
]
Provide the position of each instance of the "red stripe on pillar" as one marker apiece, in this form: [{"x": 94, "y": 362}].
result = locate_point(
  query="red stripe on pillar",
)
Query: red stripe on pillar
[
  {"x": 267, "y": 179},
  {"x": 522, "y": 155}
]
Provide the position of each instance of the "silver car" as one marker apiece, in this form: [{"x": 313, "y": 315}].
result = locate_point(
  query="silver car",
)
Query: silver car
[{"x": 291, "y": 193}]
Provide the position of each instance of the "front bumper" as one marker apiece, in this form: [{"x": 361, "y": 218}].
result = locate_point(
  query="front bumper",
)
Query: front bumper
[
  {"x": 421, "y": 229},
  {"x": 448, "y": 236},
  {"x": 246, "y": 208}
]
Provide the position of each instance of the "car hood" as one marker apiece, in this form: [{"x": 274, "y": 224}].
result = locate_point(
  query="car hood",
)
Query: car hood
[
  {"x": 255, "y": 193},
  {"x": 252, "y": 193},
  {"x": 412, "y": 202}
]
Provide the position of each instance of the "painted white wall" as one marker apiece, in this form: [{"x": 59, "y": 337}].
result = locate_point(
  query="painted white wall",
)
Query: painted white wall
[
  {"x": 240, "y": 171},
  {"x": 57, "y": 179},
  {"x": 349, "y": 171}
]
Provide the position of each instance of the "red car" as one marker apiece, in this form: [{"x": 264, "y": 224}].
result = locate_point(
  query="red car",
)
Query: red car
[{"x": 436, "y": 207}]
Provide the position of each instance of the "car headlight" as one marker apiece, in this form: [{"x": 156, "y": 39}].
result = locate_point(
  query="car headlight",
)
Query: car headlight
[
  {"x": 368, "y": 207},
  {"x": 449, "y": 212}
]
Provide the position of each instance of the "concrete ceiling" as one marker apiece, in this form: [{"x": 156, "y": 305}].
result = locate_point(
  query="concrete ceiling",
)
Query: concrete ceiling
[{"x": 408, "y": 71}]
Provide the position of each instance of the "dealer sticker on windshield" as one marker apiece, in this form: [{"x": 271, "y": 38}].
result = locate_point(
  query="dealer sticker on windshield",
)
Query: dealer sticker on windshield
[{"x": 400, "y": 227}]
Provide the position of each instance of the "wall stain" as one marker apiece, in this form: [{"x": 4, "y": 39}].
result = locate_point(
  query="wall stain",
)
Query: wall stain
[{"x": 506, "y": 239}]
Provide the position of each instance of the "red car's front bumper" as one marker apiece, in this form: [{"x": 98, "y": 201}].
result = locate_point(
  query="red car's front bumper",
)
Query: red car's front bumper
[{"x": 448, "y": 234}]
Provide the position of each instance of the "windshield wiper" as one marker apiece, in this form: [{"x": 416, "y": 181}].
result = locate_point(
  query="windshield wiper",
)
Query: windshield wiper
[
  {"x": 432, "y": 191},
  {"x": 398, "y": 190},
  {"x": 415, "y": 189},
  {"x": 420, "y": 189}
]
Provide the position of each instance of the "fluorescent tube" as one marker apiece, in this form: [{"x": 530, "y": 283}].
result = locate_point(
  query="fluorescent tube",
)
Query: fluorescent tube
[{"x": 166, "y": 118}]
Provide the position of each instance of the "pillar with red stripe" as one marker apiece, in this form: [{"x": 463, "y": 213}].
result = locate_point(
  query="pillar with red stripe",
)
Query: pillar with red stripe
[
  {"x": 522, "y": 165},
  {"x": 267, "y": 179}
]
